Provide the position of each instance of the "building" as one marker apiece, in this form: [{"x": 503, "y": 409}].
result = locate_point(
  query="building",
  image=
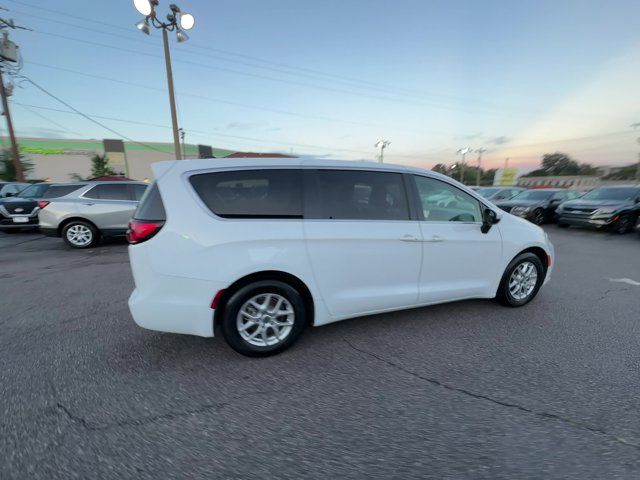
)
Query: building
[{"x": 62, "y": 160}]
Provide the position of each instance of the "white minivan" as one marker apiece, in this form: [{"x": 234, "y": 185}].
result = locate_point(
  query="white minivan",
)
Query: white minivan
[{"x": 262, "y": 248}]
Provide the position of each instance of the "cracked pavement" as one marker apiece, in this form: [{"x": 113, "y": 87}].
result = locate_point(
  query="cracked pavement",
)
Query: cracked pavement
[{"x": 464, "y": 390}]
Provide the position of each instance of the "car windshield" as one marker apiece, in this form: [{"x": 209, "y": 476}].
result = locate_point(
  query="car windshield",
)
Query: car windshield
[
  {"x": 621, "y": 194},
  {"x": 534, "y": 195},
  {"x": 33, "y": 191},
  {"x": 487, "y": 192}
]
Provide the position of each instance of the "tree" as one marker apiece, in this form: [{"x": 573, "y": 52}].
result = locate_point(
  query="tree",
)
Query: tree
[
  {"x": 100, "y": 166},
  {"x": 559, "y": 163},
  {"x": 8, "y": 169},
  {"x": 440, "y": 168}
]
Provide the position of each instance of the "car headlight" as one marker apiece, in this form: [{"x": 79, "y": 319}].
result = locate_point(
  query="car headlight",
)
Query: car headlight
[
  {"x": 605, "y": 211},
  {"x": 521, "y": 209}
]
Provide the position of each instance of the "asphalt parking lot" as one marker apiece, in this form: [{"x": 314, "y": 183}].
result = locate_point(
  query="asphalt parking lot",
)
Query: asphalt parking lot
[{"x": 463, "y": 390}]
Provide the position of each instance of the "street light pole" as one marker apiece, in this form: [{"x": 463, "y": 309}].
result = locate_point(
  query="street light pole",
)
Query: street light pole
[
  {"x": 15, "y": 154},
  {"x": 382, "y": 144},
  {"x": 463, "y": 152},
  {"x": 480, "y": 151},
  {"x": 178, "y": 21},
  {"x": 172, "y": 99},
  {"x": 636, "y": 125}
]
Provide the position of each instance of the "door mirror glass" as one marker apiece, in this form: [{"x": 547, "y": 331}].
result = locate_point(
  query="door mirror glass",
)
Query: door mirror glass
[{"x": 489, "y": 218}]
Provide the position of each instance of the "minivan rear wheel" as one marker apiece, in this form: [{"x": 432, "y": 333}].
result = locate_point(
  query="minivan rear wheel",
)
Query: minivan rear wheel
[
  {"x": 263, "y": 318},
  {"x": 79, "y": 234},
  {"x": 521, "y": 280}
]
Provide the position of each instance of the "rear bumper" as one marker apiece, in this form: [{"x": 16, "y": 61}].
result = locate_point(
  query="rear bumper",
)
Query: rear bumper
[
  {"x": 8, "y": 223},
  {"x": 168, "y": 303}
]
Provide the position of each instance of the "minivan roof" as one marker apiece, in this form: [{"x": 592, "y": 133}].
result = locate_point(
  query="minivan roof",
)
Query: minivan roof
[{"x": 160, "y": 168}]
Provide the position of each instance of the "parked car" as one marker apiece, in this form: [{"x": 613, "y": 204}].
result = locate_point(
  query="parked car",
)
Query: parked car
[
  {"x": 11, "y": 189},
  {"x": 98, "y": 209},
  {"x": 497, "y": 194},
  {"x": 537, "y": 206},
  {"x": 616, "y": 207},
  {"x": 21, "y": 211},
  {"x": 263, "y": 251}
]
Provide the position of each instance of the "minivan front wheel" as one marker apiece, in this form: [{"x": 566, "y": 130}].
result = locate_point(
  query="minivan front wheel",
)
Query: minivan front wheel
[
  {"x": 521, "y": 280},
  {"x": 263, "y": 318},
  {"x": 78, "y": 234}
]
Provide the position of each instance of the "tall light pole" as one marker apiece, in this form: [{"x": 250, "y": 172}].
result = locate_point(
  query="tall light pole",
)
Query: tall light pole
[
  {"x": 479, "y": 151},
  {"x": 177, "y": 21},
  {"x": 463, "y": 152},
  {"x": 382, "y": 144},
  {"x": 637, "y": 125}
]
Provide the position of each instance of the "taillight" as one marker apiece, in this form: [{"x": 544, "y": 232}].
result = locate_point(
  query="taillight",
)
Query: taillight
[
  {"x": 139, "y": 231},
  {"x": 42, "y": 204}
]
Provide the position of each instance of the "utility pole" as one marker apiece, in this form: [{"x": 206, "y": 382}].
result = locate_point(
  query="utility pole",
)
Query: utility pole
[
  {"x": 172, "y": 98},
  {"x": 9, "y": 52},
  {"x": 15, "y": 153},
  {"x": 506, "y": 162},
  {"x": 480, "y": 151},
  {"x": 382, "y": 144}
]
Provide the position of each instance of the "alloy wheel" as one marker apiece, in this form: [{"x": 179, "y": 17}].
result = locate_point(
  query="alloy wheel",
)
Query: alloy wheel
[
  {"x": 265, "y": 320},
  {"x": 79, "y": 235},
  {"x": 522, "y": 281}
]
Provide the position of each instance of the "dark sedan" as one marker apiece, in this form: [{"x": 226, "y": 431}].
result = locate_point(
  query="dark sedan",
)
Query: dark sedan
[
  {"x": 616, "y": 207},
  {"x": 537, "y": 206}
]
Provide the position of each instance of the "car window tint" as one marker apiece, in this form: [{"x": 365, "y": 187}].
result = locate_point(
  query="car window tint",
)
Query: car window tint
[
  {"x": 56, "y": 191},
  {"x": 360, "y": 195},
  {"x": 442, "y": 202},
  {"x": 138, "y": 191},
  {"x": 109, "y": 191},
  {"x": 268, "y": 193}
]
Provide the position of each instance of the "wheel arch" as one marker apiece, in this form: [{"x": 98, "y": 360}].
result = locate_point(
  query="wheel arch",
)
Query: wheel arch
[
  {"x": 278, "y": 275},
  {"x": 68, "y": 220},
  {"x": 539, "y": 252}
]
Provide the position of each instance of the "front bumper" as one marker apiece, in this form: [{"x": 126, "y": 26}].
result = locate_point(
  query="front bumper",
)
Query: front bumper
[{"x": 587, "y": 221}]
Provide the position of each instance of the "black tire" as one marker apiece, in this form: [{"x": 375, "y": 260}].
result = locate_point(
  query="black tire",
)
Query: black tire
[
  {"x": 563, "y": 224},
  {"x": 623, "y": 225},
  {"x": 91, "y": 230},
  {"x": 537, "y": 216},
  {"x": 504, "y": 295},
  {"x": 232, "y": 308}
]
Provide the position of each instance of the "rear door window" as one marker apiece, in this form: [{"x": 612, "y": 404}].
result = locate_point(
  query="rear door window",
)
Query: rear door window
[
  {"x": 109, "y": 191},
  {"x": 268, "y": 193},
  {"x": 137, "y": 191},
  {"x": 358, "y": 195},
  {"x": 56, "y": 191}
]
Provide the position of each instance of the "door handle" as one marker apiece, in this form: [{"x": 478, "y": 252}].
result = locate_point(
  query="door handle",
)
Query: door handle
[
  {"x": 409, "y": 238},
  {"x": 89, "y": 204},
  {"x": 434, "y": 239}
]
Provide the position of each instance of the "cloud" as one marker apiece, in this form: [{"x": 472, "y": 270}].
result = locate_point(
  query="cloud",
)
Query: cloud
[{"x": 499, "y": 140}]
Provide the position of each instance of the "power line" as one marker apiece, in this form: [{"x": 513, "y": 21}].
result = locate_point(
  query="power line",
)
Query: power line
[
  {"x": 47, "y": 92},
  {"x": 45, "y": 118}
]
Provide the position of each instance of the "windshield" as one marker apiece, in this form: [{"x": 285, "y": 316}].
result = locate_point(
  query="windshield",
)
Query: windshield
[
  {"x": 34, "y": 191},
  {"x": 534, "y": 195},
  {"x": 621, "y": 194},
  {"x": 487, "y": 192}
]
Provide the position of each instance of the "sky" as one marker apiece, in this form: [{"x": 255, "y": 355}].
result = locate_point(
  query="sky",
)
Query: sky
[{"x": 332, "y": 77}]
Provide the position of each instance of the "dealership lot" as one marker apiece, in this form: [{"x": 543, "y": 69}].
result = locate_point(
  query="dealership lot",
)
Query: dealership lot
[{"x": 469, "y": 389}]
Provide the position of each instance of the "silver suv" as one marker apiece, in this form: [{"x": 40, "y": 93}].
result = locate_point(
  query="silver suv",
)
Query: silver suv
[{"x": 99, "y": 209}]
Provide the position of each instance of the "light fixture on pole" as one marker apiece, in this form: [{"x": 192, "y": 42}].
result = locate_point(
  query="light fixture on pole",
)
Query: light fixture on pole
[
  {"x": 479, "y": 151},
  {"x": 177, "y": 21},
  {"x": 382, "y": 144},
  {"x": 463, "y": 152}
]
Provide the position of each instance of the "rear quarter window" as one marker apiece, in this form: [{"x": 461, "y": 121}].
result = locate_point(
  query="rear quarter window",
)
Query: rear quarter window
[
  {"x": 269, "y": 193},
  {"x": 151, "y": 206}
]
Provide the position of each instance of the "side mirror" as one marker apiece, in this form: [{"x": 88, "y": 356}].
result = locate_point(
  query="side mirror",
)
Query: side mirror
[
  {"x": 9, "y": 194},
  {"x": 489, "y": 218}
]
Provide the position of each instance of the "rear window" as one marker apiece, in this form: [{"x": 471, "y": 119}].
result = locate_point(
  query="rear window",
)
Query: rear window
[
  {"x": 151, "y": 206},
  {"x": 251, "y": 193},
  {"x": 56, "y": 191}
]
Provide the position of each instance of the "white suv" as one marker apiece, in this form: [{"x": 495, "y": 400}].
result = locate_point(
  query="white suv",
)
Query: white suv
[{"x": 263, "y": 250}]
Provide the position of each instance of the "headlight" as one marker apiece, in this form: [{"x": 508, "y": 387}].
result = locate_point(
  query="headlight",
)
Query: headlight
[
  {"x": 521, "y": 209},
  {"x": 605, "y": 211}
]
